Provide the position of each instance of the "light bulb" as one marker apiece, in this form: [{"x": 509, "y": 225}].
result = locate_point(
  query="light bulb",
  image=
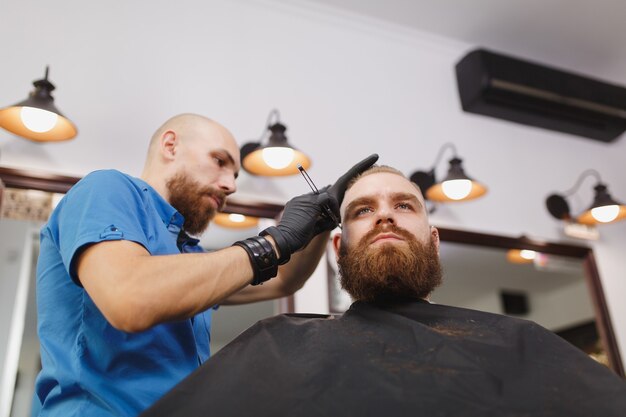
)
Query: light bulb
[
  {"x": 456, "y": 189},
  {"x": 278, "y": 157},
  {"x": 527, "y": 254},
  {"x": 605, "y": 214},
  {"x": 236, "y": 218},
  {"x": 38, "y": 120}
]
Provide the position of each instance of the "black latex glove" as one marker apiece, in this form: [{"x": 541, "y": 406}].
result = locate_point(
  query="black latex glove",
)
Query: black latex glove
[
  {"x": 296, "y": 227},
  {"x": 336, "y": 193}
]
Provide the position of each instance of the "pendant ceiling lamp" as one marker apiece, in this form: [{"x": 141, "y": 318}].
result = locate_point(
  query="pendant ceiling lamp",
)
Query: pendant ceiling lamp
[
  {"x": 456, "y": 186},
  {"x": 275, "y": 156},
  {"x": 235, "y": 220},
  {"x": 603, "y": 209},
  {"x": 37, "y": 118}
]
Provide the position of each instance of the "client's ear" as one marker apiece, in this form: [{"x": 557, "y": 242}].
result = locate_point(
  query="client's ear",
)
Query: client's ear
[
  {"x": 337, "y": 244},
  {"x": 434, "y": 236}
]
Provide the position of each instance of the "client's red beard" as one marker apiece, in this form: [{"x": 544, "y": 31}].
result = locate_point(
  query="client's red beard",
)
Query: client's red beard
[
  {"x": 189, "y": 198},
  {"x": 389, "y": 271}
]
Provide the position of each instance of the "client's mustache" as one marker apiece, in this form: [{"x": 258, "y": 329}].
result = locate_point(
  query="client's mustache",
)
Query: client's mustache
[{"x": 384, "y": 228}]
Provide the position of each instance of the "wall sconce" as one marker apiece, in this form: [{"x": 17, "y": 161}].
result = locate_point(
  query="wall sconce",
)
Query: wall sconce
[
  {"x": 235, "y": 220},
  {"x": 37, "y": 118},
  {"x": 604, "y": 208},
  {"x": 456, "y": 186},
  {"x": 275, "y": 158}
]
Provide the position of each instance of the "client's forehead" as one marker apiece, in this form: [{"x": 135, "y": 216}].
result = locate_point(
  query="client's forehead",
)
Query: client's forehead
[{"x": 380, "y": 185}]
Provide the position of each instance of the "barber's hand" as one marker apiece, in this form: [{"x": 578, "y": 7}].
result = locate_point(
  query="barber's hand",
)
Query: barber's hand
[
  {"x": 337, "y": 191},
  {"x": 296, "y": 227}
]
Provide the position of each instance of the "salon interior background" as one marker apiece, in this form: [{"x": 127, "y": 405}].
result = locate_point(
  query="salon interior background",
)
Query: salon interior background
[{"x": 349, "y": 77}]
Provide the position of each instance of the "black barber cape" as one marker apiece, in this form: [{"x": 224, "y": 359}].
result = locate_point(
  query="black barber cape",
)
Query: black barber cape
[{"x": 406, "y": 359}]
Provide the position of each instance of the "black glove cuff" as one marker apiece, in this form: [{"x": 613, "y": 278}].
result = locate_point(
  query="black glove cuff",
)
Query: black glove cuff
[
  {"x": 281, "y": 242},
  {"x": 262, "y": 258}
]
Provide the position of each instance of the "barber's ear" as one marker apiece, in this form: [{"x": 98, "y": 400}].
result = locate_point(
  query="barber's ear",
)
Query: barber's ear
[
  {"x": 434, "y": 236},
  {"x": 169, "y": 142},
  {"x": 337, "y": 244}
]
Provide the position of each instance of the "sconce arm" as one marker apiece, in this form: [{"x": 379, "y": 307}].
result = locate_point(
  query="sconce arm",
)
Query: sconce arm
[
  {"x": 581, "y": 178},
  {"x": 275, "y": 116},
  {"x": 440, "y": 154}
]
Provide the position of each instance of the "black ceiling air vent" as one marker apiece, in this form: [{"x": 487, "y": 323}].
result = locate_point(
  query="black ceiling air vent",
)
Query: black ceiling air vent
[{"x": 520, "y": 91}]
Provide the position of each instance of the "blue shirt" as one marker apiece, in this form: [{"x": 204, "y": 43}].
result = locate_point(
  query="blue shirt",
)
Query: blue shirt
[{"x": 90, "y": 368}]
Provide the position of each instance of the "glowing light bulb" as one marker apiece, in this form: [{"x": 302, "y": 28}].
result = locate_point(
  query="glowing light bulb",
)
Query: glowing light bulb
[
  {"x": 605, "y": 214},
  {"x": 278, "y": 157},
  {"x": 527, "y": 254},
  {"x": 236, "y": 218},
  {"x": 456, "y": 189},
  {"x": 38, "y": 120}
]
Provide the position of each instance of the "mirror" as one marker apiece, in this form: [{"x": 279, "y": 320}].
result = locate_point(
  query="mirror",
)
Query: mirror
[
  {"x": 25, "y": 203},
  {"x": 549, "y": 290},
  {"x": 22, "y": 363}
]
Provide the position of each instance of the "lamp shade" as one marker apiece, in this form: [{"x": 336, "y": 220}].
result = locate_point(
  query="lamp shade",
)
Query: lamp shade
[
  {"x": 604, "y": 208},
  {"x": 521, "y": 256},
  {"x": 235, "y": 221},
  {"x": 457, "y": 186},
  {"x": 37, "y": 118},
  {"x": 276, "y": 158}
]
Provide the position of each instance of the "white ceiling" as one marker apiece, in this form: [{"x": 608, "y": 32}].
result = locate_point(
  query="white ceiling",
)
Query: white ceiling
[{"x": 572, "y": 34}]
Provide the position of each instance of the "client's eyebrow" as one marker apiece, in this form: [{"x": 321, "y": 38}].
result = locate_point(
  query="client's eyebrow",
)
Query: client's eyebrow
[
  {"x": 371, "y": 200},
  {"x": 361, "y": 201},
  {"x": 407, "y": 197}
]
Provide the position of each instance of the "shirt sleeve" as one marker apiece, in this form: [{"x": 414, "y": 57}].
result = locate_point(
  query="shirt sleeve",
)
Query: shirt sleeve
[{"x": 103, "y": 206}]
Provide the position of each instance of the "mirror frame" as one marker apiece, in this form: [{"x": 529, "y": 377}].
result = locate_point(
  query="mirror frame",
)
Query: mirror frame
[{"x": 35, "y": 180}]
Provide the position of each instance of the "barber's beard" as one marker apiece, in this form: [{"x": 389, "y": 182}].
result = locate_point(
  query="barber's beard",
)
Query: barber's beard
[
  {"x": 389, "y": 271},
  {"x": 189, "y": 197}
]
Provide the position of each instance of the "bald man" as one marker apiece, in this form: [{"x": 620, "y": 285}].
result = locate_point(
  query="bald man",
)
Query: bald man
[{"x": 124, "y": 294}]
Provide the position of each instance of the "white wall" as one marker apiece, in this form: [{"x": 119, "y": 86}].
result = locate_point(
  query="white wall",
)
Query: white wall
[
  {"x": 345, "y": 86},
  {"x": 611, "y": 259}
]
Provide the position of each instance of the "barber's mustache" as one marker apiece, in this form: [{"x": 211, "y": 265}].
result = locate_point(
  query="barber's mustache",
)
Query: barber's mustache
[{"x": 216, "y": 192}]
